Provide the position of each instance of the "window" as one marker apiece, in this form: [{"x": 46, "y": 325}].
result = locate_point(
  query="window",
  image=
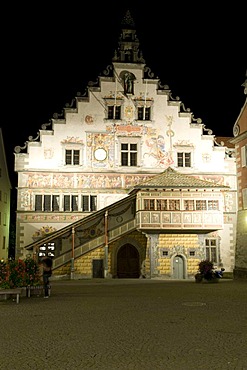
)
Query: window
[
  {"x": 70, "y": 203},
  {"x": 213, "y": 205},
  {"x": 55, "y": 203},
  {"x": 43, "y": 203},
  {"x": 244, "y": 156},
  {"x": 72, "y": 157},
  {"x": 149, "y": 204},
  {"x": 74, "y": 202},
  {"x": 201, "y": 205},
  {"x": 143, "y": 106},
  {"x": 114, "y": 112},
  {"x": 72, "y": 151},
  {"x": 143, "y": 113},
  {"x": 38, "y": 203},
  {"x": 89, "y": 203},
  {"x": 174, "y": 205},
  {"x": 184, "y": 159},
  {"x": 189, "y": 205},
  {"x": 128, "y": 154},
  {"x": 211, "y": 250},
  {"x": 161, "y": 204},
  {"x": 47, "y": 203}
]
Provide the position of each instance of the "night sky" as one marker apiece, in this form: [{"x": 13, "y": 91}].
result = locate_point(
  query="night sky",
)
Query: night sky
[{"x": 49, "y": 54}]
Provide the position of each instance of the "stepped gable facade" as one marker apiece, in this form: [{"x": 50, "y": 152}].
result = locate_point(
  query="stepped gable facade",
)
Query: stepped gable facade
[{"x": 126, "y": 130}]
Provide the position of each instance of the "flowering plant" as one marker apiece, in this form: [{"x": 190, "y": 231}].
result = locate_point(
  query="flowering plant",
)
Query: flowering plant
[
  {"x": 19, "y": 273},
  {"x": 4, "y": 275},
  {"x": 205, "y": 266}
]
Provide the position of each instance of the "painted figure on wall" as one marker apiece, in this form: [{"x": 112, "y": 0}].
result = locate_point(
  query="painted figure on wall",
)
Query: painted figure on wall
[
  {"x": 158, "y": 151},
  {"x": 128, "y": 83}
]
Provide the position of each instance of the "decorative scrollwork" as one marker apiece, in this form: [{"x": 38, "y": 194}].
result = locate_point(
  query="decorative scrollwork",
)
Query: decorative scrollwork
[
  {"x": 67, "y": 105},
  {"x": 18, "y": 149},
  {"x": 44, "y": 125},
  {"x": 218, "y": 144},
  {"x": 107, "y": 71},
  {"x": 149, "y": 72},
  {"x": 209, "y": 131},
  {"x": 197, "y": 120},
  {"x": 85, "y": 92},
  {"x": 57, "y": 115},
  {"x": 91, "y": 83},
  {"x": 171, "y": 98},
  {"x": 184, "y": 109},
  {"x": 30, "y": 138},
  {"x": 163, "y": 87}
]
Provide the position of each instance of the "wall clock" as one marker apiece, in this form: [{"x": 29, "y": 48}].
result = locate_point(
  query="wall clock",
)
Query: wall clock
[{"x": 100, "y": 154}]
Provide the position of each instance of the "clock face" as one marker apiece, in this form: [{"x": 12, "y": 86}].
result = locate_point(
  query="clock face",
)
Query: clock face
[{"x": 100, "y": 154}]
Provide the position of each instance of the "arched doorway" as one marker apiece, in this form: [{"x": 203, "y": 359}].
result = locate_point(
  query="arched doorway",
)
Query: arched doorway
[
  {"x": 178, "y": 267},
  {"x": 128, "y": 266}
]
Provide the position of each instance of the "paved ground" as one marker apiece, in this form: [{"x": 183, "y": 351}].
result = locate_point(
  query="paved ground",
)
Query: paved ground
[{"x": 127, "y": 325}]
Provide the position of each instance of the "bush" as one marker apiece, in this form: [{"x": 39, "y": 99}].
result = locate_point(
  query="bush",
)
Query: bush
[{"x": 19, "y": 273}]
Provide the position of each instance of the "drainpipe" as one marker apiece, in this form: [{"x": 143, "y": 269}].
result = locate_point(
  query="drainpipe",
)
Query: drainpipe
[
  {"x": 73, "y": 254},
  {"x": 106, "y": 245}
]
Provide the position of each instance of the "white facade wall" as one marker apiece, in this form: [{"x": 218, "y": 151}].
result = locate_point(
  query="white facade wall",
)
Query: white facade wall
[{"x": 168, "y": 132}]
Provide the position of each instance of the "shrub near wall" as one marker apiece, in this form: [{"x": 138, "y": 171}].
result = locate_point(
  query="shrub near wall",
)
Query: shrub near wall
[{"x": 19, "y": 273}]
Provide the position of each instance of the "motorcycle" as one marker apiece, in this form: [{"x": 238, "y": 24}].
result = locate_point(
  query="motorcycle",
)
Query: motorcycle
[{"x": 209, "y": 275}]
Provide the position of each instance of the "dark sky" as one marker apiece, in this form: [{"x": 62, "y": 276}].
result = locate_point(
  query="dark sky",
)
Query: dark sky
[{"x": 50, "y": 53}]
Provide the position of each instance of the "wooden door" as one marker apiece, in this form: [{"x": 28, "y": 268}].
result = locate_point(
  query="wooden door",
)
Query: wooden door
[{"x": 128, "y": 265}]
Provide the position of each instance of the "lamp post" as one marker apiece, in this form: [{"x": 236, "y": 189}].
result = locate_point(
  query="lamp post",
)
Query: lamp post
[
  {"x": 106, "y": 245},
  {"x": 73, "y": 254}
]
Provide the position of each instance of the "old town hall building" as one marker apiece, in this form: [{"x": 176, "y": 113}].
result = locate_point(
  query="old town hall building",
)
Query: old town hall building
[{"x": 127, "y": 183}]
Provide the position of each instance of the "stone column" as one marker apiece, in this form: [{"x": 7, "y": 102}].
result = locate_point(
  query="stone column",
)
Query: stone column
[{"x": 154, "y": 242}]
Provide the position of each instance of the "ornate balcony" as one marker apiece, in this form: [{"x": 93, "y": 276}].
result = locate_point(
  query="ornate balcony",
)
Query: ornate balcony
[{"x": 179, "y": 221}]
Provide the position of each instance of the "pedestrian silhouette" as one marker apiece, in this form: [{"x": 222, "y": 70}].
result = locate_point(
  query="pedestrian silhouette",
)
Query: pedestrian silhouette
[{"x": 47, "y": 272}]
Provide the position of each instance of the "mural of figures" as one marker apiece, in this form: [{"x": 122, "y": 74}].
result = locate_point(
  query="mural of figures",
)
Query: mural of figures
[{"x": 157, "y": 150}]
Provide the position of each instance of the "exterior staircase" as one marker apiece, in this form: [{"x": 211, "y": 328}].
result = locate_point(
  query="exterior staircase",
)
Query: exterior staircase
[{"x": 91, "y": 232}]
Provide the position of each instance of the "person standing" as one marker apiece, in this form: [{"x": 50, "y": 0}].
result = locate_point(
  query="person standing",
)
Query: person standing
[{"x": 46, "y": 273}]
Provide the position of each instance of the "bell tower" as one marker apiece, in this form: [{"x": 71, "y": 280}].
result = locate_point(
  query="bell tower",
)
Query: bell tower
[{"x": 128, "y": 50}]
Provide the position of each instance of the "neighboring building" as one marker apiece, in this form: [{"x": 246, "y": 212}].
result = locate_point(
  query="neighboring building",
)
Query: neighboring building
[
  {"x": 5, "y": 193},
  {"x": 84, "y": 190},
  {"x": 240, "y": 141}
]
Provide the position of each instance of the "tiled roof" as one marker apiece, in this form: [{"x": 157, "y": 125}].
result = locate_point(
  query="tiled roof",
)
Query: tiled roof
[
  {"x": 225, "y": 141},
  {"x": 173, "y": 179}
]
